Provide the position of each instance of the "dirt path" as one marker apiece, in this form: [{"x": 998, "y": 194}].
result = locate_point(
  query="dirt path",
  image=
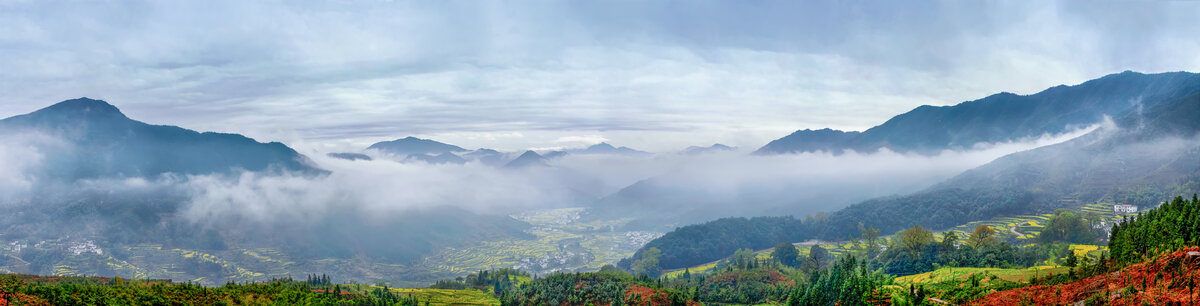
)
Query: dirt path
[{"x": 1013, "y": 229}]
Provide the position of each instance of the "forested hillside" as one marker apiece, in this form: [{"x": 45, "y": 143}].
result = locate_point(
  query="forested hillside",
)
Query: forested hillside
[
  {"x": 1140, "y": 159},
  {"x": 1000, "y": 117},
  {"x": 1144, "y": 157}
]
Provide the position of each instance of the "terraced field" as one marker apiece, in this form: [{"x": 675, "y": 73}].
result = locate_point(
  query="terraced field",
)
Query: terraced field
[
  {"x": 562, "y": 244},
  {"x": 1029, "y": 226},
  {"x": 953, "y": 273}
]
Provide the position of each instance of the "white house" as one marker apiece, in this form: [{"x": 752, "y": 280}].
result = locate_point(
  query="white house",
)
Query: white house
[{"x": 1125, "y": 209}]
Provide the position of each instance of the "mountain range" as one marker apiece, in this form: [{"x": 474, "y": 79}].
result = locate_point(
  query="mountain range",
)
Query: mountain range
[
  {"x": 1000, "y": 117},
  {"x": 97, "y": 140},
  {"x": 1146, "y": 157},
  {"x": 119, "y": 190},
  {"x": 1149, "y": 153},
  {"x": 924, "y": 130}
]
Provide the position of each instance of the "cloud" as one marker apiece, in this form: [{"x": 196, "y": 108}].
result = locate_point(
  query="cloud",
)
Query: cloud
[
  {"x": 736, "y": 73},
  {"x": 801, "y": 180},
  {"x": 587, "y": 139},
  {"x": 735, "y": 182},
  {"x": 20, "y": 160},
  {"x": 380, "y": 187},
  {"x": 729, "y": 183}
]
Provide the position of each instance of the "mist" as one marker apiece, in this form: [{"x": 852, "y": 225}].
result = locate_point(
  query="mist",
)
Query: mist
[{"x": 756, "y": 185}]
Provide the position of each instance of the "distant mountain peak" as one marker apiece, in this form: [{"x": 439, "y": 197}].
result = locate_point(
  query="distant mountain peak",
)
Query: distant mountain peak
[
  {"x": 414, "y": 146},
  {"x": 81, "y": 107},
  {"x": 605, "y": 148},
  {"x": 105, "y": 143},
  {"x": 808, "y": 140},
  {"x": 529, "y": 158},
  {"x": 716, "y": 147},
  {"x": 529, "y": 154},
  {"x": 602, "y": 145}
]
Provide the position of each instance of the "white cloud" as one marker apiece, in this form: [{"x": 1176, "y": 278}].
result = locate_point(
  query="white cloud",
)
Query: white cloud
[
  {"x": 586, "y": 139},
  {"x": 731, "y": 72},
  {"x": 20, "y": 161}
]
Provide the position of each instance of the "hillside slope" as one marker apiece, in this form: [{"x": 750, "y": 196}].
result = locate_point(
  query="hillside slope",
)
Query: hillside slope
[
  {"x": 93, "y": 139},
  {"x": 1140, "y": 159},
  {"x": 1167, "y": 280},
  {"x": 1000, "y": 117}
]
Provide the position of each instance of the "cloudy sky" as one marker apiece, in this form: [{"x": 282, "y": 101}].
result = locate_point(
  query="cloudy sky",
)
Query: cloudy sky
[{"x": 655, "y": 75}]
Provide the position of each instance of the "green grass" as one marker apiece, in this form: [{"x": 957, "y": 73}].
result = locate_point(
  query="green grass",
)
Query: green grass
[
  {"x": 450, "y": 297},
  {"x": 697, "y": 269},
  {"x": 955, "y": 273}
]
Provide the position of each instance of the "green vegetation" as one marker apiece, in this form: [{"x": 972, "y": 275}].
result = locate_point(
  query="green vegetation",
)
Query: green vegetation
[
  {"x": 35, "y": 290},
  {"x": 447, "y": 296},
  {"x": 607, "y": 286},
  {"x": 1171, "y": 226},
  {"x": 694, "y": 244},
  {"x": 848, "y": 282},
  {"x": 916, "y": 251},
  {"x": 1068, "y": 226}
]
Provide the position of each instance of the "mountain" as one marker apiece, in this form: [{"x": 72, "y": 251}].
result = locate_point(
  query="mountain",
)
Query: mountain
[
  {"x": 97, "y": 140},
  {"x": 86, "y": 209},
  {"x": 486, "y": 156},
  {"x": 412, "y": 145},
  {"x": 444, "y": 158},
  {"x": 692, "y": 150},
  {"x": 825, "y": 140},
  {"x": 1148, "y": 157},
  {"x": 527, "y": 159},
  {"x": 1000, "y": 117},
  {"x": 349, "y": 156},
  {"x": 554, "y": 154},
  {"x": 605, "y": 148}
]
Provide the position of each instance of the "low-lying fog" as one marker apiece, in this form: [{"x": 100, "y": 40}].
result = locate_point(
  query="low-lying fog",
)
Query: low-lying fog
[{"x": 384, "y": 186}]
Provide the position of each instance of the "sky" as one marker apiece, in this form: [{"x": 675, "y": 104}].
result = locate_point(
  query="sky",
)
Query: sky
[{"x": 652, "y": 75}]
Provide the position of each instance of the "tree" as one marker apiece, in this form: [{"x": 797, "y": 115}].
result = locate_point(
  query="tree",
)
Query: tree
[
  {"x": 786, "y": 254},
  {"x": 949, "y": 241},
  {"x": 870, "y": 235},
  {"x": 914, "y": 240},
  {"x": 743, "y": 258},
  {"x": 817, "y": 257},
  {"x": 647, "y": 263},
  {"x": 982, "y": 236},
  {"x": 1067, "y": 226},
  {"x": 1072, "y": 260}
]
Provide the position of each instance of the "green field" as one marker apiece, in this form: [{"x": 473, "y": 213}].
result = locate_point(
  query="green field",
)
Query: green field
[
  {"x": 953, "y": 273},
  {"x": 450, "y": 297}
]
